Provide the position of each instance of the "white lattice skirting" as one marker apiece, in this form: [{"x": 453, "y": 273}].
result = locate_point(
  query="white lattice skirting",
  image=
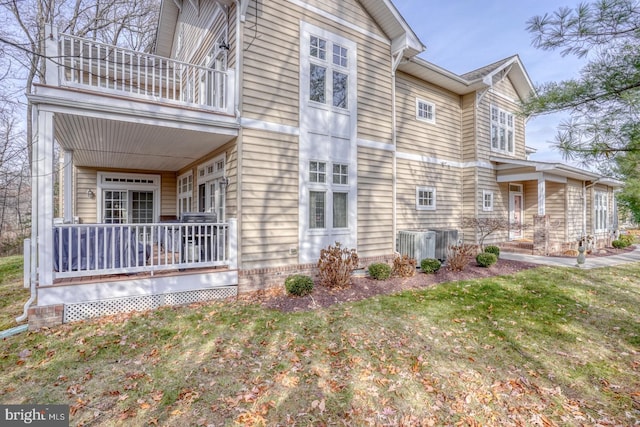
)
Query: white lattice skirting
[{"x": 87, "y": 310}]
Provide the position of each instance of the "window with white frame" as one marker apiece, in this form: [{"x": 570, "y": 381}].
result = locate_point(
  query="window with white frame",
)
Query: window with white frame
[
  {"x": 425, "y": 111},
  {"x": 328, "y": 196},
  {"x": 600, "y": 211},
  {"x": 185, "y": 193},
  {"x": 487, "y": 200},
  {"x": 128, "y": 198},
  {"x": 328, "y": 74},
  {"x": 212, "y": 187},
  {"x": 425, "y": 198},
  {"x": 502, "y": 130}
]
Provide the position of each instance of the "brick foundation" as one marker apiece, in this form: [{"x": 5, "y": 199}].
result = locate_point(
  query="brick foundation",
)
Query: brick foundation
[
  {"x": 264, "y": 278},
  {"x": 45, "y": 316}
]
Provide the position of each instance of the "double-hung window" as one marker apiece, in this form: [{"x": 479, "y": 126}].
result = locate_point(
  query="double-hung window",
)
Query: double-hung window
[
  {"x": 328, "y": 195},
  {"x": 600, "y": 211},
  {"x": 487, "y": 201},
  {"x": 328, "y": 72},
  {"x": 502, "y": 130}
]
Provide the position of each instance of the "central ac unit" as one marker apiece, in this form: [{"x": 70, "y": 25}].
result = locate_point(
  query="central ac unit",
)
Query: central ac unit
[
  {"x": 417, "y": 244},
  {"x": 444, "y": 238}
]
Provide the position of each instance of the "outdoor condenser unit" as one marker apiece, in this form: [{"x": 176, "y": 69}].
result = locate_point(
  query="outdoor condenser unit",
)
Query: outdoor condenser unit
[
  {"x": 417, "y": 244},
  {"x": 444, "y": 238}
]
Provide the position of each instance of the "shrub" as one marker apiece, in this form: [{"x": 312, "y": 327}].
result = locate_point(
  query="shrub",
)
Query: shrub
[
  {"x": 492, "y": 249},
  {"x": 298, "y": 285},
  {"x": 380, "y": 271},
  {"x": 430, "y": 265},
  {"x": 404, "y": 266},
  {"x": 335, "y": 266},
  {"x": 459, "y": 256},
  {"x": 619, "y": 244},
  {"x": 628, "y": 239},
  {"x": 486, "y": 259}
]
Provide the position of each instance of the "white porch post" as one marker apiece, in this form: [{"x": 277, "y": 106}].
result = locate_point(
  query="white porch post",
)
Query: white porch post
[
  {"x": 232, "y": 235},
  {"x": 67, "y": 186},
  {"x": 541, "y": 196},
  {"x": 43, "y": 176},
  {"x": 52, "y": 76}
]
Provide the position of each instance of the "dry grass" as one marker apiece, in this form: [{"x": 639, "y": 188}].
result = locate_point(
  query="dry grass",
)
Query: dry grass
[{"x": 542, "y": 347}]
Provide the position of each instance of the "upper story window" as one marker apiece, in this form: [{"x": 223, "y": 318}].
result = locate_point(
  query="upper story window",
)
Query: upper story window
[
  {"x": 328, "y": 78},
  {"x": 425, "y": 198},
  {"x": 502, "y": 131},
  {"x": 425, "y": 111}
]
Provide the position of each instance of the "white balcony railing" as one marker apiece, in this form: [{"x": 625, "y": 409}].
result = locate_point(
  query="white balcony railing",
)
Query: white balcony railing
[
  {"x": 97, "y": 249},
  {"x": 89, "y": 64}
]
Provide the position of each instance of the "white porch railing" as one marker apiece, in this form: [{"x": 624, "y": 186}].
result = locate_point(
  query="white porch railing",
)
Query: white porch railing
[
  {"x": 98, "y": 249},
  {"x": 87, "y": 63}
]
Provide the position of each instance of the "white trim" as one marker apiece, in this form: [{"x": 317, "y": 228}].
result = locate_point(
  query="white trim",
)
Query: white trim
[
  {"x": 101, "y": 185},
  {"x": 269, "y": 126},
  {"x": 432, "y": 206},
  {"x": 342, "y": 22},
  {"x": 99, "y": 291},
  {"x": 443, "y": 162},
  {"x": 376, "y": 145}
]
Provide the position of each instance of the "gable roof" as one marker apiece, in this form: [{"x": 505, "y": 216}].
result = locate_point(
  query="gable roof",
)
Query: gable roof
[
  {"x": 475, "y": 80},
  {"x": 382, "y": 11}
]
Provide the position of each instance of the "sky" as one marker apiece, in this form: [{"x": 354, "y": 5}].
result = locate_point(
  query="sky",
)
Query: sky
[{"x": 463, "y": 35}]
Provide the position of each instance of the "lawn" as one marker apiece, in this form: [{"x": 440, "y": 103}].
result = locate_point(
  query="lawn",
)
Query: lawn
[
  {"x": 12, "y": 294},
  {"x": 546, "y": 346}
]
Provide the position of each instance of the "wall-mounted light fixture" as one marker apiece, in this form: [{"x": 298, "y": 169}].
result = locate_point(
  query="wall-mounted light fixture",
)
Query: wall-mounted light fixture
[
  {"x": 224, "y": 182},
  {"x": 91, "y": 194},
  {"x": 224, "y": 45}
]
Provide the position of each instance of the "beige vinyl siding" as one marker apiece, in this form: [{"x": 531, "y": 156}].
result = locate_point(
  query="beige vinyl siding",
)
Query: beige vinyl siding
[
  {"x": 375, "y": 202},
  {"x": 486, "y": 179},
  {"x": 271, "y": 90},
  {"x": 85, "y": 208},
  {"x": 442, "y": 139},
  {"x": 556, "y": 208},
  {"x": 575, "y": 210},
  {"x": 198, "y": 31},
  {"x": 86, "y": 178},
  {"x": 269, "y": 214},
  {"x": 349, "y": 10},
  {"x": 530, "y": 191},
  {"x": 445, "y": 179},
  {"x": 468, "y": 131}
]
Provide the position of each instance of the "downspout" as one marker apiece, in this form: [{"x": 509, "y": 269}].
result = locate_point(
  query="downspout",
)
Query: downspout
[
  {"x": 31, "y": 246},
  {"x": 238, "y": 93},
  {"x": 395, "y": 62}
]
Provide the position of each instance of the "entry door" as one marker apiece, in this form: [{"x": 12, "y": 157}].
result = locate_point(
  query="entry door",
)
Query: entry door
[{"x": 515, "y": 211}]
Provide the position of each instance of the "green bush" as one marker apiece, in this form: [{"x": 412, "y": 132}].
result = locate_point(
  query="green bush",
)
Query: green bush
[
  {"x": 628, "y": 239},
  {"x": 492, "y": 249},
  {"x": 298, "y": 285},
  {"x": 486, "y": 259},
  {"x": 619, "y": 244},
  {"x": 380, "y": 271},
  {"x": 430, "y": 265}
]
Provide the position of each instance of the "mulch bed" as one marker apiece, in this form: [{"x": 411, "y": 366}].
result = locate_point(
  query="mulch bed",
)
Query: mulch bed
[{"x": 365, "y": 287}]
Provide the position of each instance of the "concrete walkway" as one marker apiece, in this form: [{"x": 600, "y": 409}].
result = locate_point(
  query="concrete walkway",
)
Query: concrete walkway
[{"x": 591, "y": 262}]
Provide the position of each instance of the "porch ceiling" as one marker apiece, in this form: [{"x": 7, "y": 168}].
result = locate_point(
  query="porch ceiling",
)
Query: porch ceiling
[{"x": 105, "y": 143}]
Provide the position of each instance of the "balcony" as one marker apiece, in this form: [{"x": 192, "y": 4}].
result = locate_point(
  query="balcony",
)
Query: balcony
[{"x": 90, "y": 65}]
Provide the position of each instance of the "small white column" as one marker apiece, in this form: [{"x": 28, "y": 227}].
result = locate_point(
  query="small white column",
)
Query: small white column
[
  {"x": 232, "y": 236},
  {"x": 43, "y": 183},
  {"x": 52, "y": 76},
  {"x": 541, "y": 196}
]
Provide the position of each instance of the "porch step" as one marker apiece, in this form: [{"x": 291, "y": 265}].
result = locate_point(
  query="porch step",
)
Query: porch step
[{"x": 517, "y": 247}]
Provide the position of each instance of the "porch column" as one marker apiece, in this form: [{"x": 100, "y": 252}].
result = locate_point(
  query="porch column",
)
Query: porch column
[
  {"x": 541, "y": 196},
  {"x": 43, "y": 185},
  {"x": 67, "y": 186},
  {"x": 232, "y": 235},
  {"x": 52, "y": 76}
]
